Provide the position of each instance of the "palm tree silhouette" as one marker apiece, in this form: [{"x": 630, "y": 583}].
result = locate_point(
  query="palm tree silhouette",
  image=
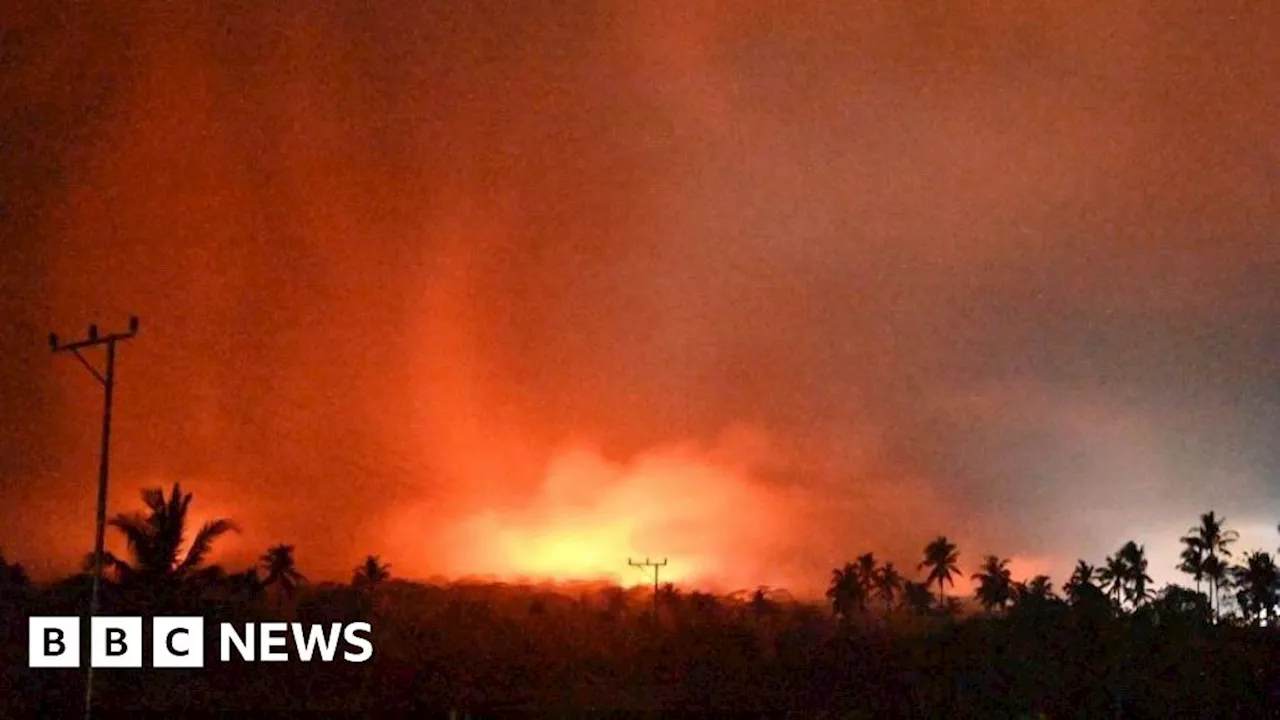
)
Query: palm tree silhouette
[
  {"x": 1258, "y": 581},
  {"x": 1113, "y": 576},
  {"x": 940, "y": 556},
  {"x": 867, "y": 571},
  {"x": 1218, "y": 572},
  {"x": 1080, "y": 586},
  {"x": 845, "y": 591},
  {"x": 370, "y": 573},
  {"x": 156, "y": 538},
  {"x": 1193, "y": 558},
  {"x": 917, "y": 597},
  {"x": 1214, "y": 540},
  {"x": 1034, "y": 594},
  {"x": 281, "y": 570},
  {"x": 994, "y": 585},
  {"x": 1135, "y": 578},
  {"x": 888, "y": 583}
]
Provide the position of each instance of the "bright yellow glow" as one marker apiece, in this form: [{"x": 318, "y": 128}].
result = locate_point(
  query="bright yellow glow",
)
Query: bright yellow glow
[{"x": 593, "y": 516}]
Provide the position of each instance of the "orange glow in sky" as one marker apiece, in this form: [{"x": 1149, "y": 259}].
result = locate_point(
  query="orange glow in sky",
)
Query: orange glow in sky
[
  {"x": 477, "y": 293},
  {"x": 594, "y": 515}
]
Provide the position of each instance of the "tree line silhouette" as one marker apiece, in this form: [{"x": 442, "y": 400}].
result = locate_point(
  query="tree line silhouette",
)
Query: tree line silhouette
[
  {"x": 887, "y": 646},
  {"x": 1121, "y": 581}
]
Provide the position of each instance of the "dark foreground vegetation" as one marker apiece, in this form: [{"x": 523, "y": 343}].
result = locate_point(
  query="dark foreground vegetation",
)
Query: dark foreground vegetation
[{"x": 884, "y": 647}]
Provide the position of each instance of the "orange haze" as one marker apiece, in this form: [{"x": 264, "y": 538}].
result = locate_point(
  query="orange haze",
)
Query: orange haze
[{"x": 709, "y": 511}]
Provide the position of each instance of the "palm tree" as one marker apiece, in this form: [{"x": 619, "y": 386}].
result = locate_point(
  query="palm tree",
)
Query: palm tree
[
  {"x": 1258, "y": 581},
  {"x": 281, "y": 570},
  {"x": 867, "y": 571},
  {"x": 1135, "y": 578},
  {"x": 1218, "y": 572},
  {"x": 1193, "y": 558},
  {"x": 156, "y": 539},
  {"x": 888, "y": 584},
  {"x": 370, "y": 573},
  {"x": 994, "y": 585},
  {"x": 940, "y": 556},
  {"x": 1215, "y": 541},
  {"x": 1112, "y": 577},
  {"x": 917, "y": 597},
  {"x": 1081, "y": 580},
  {"x": 1035, "y": 595},
  {"x": 845, "y": 591},
  {"x": 1040, "y": 587}
]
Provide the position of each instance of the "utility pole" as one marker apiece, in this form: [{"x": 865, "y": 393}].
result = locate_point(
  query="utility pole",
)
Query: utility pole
[
  {"x": 655, "y": 565},
  {"x": 107, "y": 379}
]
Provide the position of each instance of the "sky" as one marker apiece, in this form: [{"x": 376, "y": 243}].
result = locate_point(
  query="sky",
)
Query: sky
[{"x": 521, "y": 289}]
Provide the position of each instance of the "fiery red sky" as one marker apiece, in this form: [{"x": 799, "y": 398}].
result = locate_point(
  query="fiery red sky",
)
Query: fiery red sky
[{"x": 494, "y": 289}]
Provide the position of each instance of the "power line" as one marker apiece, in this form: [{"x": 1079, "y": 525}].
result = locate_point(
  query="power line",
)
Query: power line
[
  {"x": 107, "y": 378},
  {"x": 656, "y": 566}
]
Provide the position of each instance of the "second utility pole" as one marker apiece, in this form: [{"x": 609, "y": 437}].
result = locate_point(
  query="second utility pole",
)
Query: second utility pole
[
  {"x": 655, "y": 565},
  {"x": 108, "y": 381}
]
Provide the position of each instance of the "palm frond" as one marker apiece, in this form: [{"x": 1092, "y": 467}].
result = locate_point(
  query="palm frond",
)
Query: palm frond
[
  {"x": 110, "y": 563},
  {"x": 154, "y": 499},
  {"x": 137, "y": 532},
  {"x": 203, "y": 542}
]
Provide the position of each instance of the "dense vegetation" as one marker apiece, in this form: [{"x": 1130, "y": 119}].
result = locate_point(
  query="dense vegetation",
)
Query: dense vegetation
[{"x": 885, "y": 646}]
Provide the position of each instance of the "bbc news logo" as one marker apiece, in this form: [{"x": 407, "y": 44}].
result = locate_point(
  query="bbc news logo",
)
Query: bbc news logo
[{"x": 178, "y": 642}]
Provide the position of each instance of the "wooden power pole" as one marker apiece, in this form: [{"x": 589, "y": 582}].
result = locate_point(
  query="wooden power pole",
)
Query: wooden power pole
[
  {"x": 107, "y": 378},
  {"x": 656, "y": 567}
]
